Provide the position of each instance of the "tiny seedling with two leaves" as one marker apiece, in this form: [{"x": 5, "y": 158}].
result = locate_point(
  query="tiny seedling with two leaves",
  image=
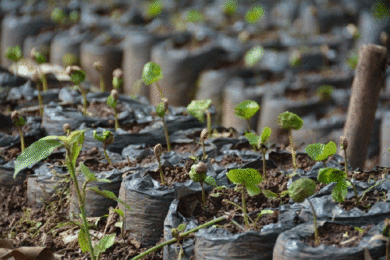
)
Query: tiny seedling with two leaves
[
  {"x": 198, "y": 173},
  {"x": 107, "y": 138},
  {"x": 77, "y": 76},
  {"x": 246, "y": 110},
  {"x": 197, "y": 108},
  {"x": 258, "y": 143},
  {"x": 112, "y": 101}
]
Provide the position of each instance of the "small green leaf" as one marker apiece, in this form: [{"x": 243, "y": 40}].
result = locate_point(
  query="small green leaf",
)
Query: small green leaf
[
  {"x": 181, "y": 227},
  {"x": 103, "y": 180},
  {"x": 329, "y": 150},
  {"x": 151, "y": 73},
  {"x": 265, "y": 211},
  {"x": 154, "y": 9},
  {"x": 253, "y": 139},
  {"x": 89, "y": 176},
  {"x": 314, "y": 150},
  {"x": 254, "y": 14},
  {"x": 340, "y": 191},
  {"x": 77, "y": 77},
  {"x": 246, "y": 176},
  {"x": 288, "y": 121},
  {"x": 20, "y": 122},
  {"x": 14, "y": 53},
  {"x": 160, "y": 110},
  {"x": 211, "y": 181},
  {"x": 269, "y": 194},
  {"x": 230, "y": 7},
  {"x": 283, "y": 193},
  {"x": 194, "y": 16},
  {"x": 197, "y": 108},
  {"x": 104, "y": 243},
  {"x": 359, "y": 229},
  {"x": 111, "y": 102},
  {"x": 253, "y": 56},
  {"x": 76, "y": 140},
  {"x": 328, "y": 175},
  {"x": 265, "y": 135},
  {"x": 246, "y": 109},
  {"x": 301, "y": 189},
  {"x": 119, "y": 212},
  {"x": 39, "y": 57},
  {"x": 83, "y": 241},
  {"x": 36, "y": 152},
  {"x": 252, "y": 190}
]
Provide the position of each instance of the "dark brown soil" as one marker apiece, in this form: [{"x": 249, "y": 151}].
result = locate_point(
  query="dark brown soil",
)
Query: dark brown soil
[{"x": 338, "y": 235}]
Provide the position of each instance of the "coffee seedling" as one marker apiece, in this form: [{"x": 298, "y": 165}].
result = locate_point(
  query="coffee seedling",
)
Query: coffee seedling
[
  {"x": 97, "y": 65},
  {"x": 158, "y": 152},
  {"x": 230, "y": 8},
  {"x": 35, "y": 78},
  {"x": 106, "y": 138},
  {"x": 39, "y": 58},
  {"x": 19, "y": 122},
  {"x": 161, "y": 110},
  {"x": 117, "y": 79},
  {"x": 258, "y": 143},
  {"x": 325, "y": 92},
  {"x": 246, "y": 179},
  {"x": 253, "y": 56},
  {"x": 321, "y": 152},
  {"x": 254, "y": 14},
  {"x": 300, "y": 190},
  {"x": 197, "y": 108},
  {"x": 198, "y": 173},
  {"x": 14, "y": 54},
  {"x": 77, "y": 76},
  {"x": 203, "y": 137},
  {"x": 67, "y": 129},
  {"x": 73, "y": 143},
  {"x": 58, "y": 16},
  {"x": 290, "y": 121},
  {"x": 152, "y": 73},
  {"x": 69, "y": 59},
  {"x": 112, "y": 101},
  {"x": 246, "y": 110},
  {"x": 154, "y": 9}
]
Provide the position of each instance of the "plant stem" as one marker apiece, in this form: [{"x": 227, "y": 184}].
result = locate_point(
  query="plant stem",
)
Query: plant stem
[
  {"x": 293, "y": 152},
  {"x": 237, "y": 206},
  {"x": 161, "y": 171},
  {"x": 106, "y": 155},
  {"x": 102, "y": 85},
  {"x": 166, "y": 135},
  {"x": 244, "y": 208},
  {"x": 346, "y": 161},
  {"x": 21, "y": 138},
  {"x": 116, "y": 119},
  {"x": 204, "y": 150},
  {"x": 84, "y": 99},
  {"x": 264, "y": 164},
  {"x": 315, "y": 223},
  {"x": 72, "y": 173},
  {"x": 373, "y": 186},
  {"x": 208, "y": 123},
  {"x": 356, "y": 194},
  {"x": 182, "y": 235},
  {"x": 159, "y": 90},
  {"x": 249, "y": 126},
  {"x": 203, "y": 195},
  {"x": 44, "y": 82}
]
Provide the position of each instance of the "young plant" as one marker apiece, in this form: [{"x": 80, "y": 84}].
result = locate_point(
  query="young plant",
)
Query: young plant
[
  {"x": 325, "y": 92},
  {"x": 154, "y": 9},
  {"x": 158, "y": 152},
  {"x": 254, "y": 14},
  {"x": 35, "y": 78},
  {"x": 300, "y": 190},
  {"x": 246, "y": 179},
  {"x": 77, "y": 76},
  {"x": 258, "y": 143},
  {"x": 246, "y": 110},
  {"x": 39, "y": 58},
  {"x": 197, "y": 108},
  {"x": 321, "y": 152},
  {"x": 152, "y": 73},
  {"x": 97, "y": 65},
  {"x": 161, "y": 110},
  {"x": 198, "y": 173},
  {"x": 230, "y": 8},
  {"x": 117, "y": 79},
  {"x": 203, "y": 137},
  {"x": 58, "y": 16},
  {"x": 73, "y": 144},
  {"x": 19, "y": 122},
  {"x": 289, "y": 121},
  {"x": 253, "y": 56},
  {"x": 106, "y": 138},
  {"x": 112, "y": 101},
  {"x": 14, "y": 54}
]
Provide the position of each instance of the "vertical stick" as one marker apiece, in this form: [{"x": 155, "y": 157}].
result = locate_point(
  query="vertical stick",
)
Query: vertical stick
[{"x": 366, "y": 86}]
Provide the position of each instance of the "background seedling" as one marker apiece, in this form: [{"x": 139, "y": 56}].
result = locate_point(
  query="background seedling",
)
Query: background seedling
[
  {"x": 152, "y": 73},
  {"x": 97, "y": 65},
  {"x": 73, "y": 144},
  {"x": 35, "y": 78},
  {"x": 112, "y": 102},
  {"x": 14, "y": 54},
  {"x": 158, "y": 153},
  {"x": 353, "y": 61},
  {"x": 344, "y": 146},
  {"x": 290, "y": 121},
  {"x": 58, "y": 16},
  {"x": 258, "y": 142},
  {"x": 300, "y": 190},
  {"x": 197, "y": 108},
  {"x": 325, "y": 92},
  {"x": 39, "y": 58},
  {"x": 254, "y": 14},
  {"x": 117, "y": 79},
  {"x": 106, "y": 138},
  {"x": 296, "y": 59},
  {"x": 194, "y": 16},
  {"x": 321, "y": 152},
  {"x": 198, "y": 173},
  {"x": 203, "y": 137},
  {"x": 154, "y": 9},
  {"x": 161, "y": 110},
  {"x": 230, "y": 8},
  {"x": 246, "y": 109},
  {"x": 246, "y": 179},
  {"x": 19, "y": 122},
  {"x": 253, "y": 56},
  {"x": 77, "y": 76}
]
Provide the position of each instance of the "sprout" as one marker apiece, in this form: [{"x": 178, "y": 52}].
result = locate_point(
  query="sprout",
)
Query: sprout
[
  {"x": 197, "y": 108},
  {"x": 39, "y": 58},
  {"x": 198, "y": 173},
  {"x": 14, "y": 54},
  {"x": 154, "y": 9},
  {"x": 19, "y": 122},
  {"x": 35, "y": 78},
  {"x": 344, "y": 146},
  {"x": 161, "y": 110},
  {"x": 230, "y": 8},
  {"x": 258, "y": 142},
  {"x": 158, "y": 153},
  {"x": 112, "y": 102},
  {"x": 58, "y": 16},
  {"x": 203, "y": 137},
  {"x": 152, "y": 73},
  {"x": 77, "y": 76},
  {"x": 253, "y": 56},
  {"x": 106, "y": 138},
  {"x": 325, "y": 92},
  {"x": 321, "y": 152},
  {"x": 98, "y": 66},
  {"x": 117, "y": 78},
  {"x": 246, "y": 110}
]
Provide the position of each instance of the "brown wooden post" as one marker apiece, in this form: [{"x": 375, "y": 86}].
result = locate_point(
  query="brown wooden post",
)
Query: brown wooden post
[{"x": 366, "y": 86}]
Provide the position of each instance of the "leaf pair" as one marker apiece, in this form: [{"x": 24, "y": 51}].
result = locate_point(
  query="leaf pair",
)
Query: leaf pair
[
  {"x": 329, "y": 175},
  {"x": 256, "y": 140},
  {"x": 248, "y": 177},
  {"x": 321, "y": 152},
  {"x": 197, "y": 108}
]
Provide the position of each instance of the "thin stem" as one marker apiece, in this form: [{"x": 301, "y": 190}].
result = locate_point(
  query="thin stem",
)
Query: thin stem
[
  {"x": 203, "y": 195},
  {"x": 81, "y": 204},
  {"x": 237, "y": 206},
  {"x": 324, "y": 163},
  {"x": 264, "y": 164},
  {"x": 21, "y": 138},
  {"x": 244, "y": 208},
  {"x": 208, "y": 114},
  {"x": 315, "y": 223},
  {"x": 293, "y": 152},
  {"x": 182, "y": 235},
  {"x": 116, "y": 119},
  {"x": 44, "y": 82},
  {"x": 161, "y": 171},
  {"x": 346, "y": 161},
  {"x": 166, "y": 135},
  {"x": 249, "y": 126},
  {"x": 159, "y": 90},
  {"x": 106, "y": 155},
  {"x": 84, "y": 99},
  {"x": 356, "y": 194},
  {"x": 102, "y": 85},
  {"x": 204, "y": 150},
  {"x": 373, "y": 186}
]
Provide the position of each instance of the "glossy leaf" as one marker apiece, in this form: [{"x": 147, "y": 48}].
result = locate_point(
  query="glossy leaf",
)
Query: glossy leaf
[
  {"x": 151, "y": 73},
  {"x": 197, "y": 108},
  {"x": 246, "y": 109},
  {"x": 340, "y": 191},
  {"x": 252, "y": 190},
  {"x": 253, "y": 139}
]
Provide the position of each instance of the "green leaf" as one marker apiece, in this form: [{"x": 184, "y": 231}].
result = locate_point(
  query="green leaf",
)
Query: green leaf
[
  {"x": 340, "y": 191},
  {"x": 269, "y": 194},
  {"x": 181, "y": 227},
  {"x": 211, "y": 181},
  {"x": 314, "y": 150},
  {"x": 154, "y": 9},
  {"x": 254, "y": 14},
  {"x": 83, "y": 241},
  {"x": 265, "y": 211},
  {"x": 39, "y": 57},
  {"x": 119, "y": 212},
  {"x": 265, "y": 135},
  {"x": 197, "y": 108},
  {"x": 283, "y": 193},
  {"x": 104, "y": 243},
  {"x": 329, "y": 149},
  {"x": 252, "y": 190},
  {"x": 14, "y": 53},
  {"x": 98, "y": 137},
  {"x": 89, "y": 176},
  {"x": 36, "y": 152},
  {"x": 77, "y": 77},
  {"x": 194, "y": 16},
  {"x": 288, "y": 121},
  {"x": 252, "y": 139},
  {"x": 160, "y": 110},
  {"x": 230, "y": 7},
  {"x": 301, "y": 189},
  {"x": 359, "y": 229},
  {"x": 245, "y": 177},
  {"x": 151, "y": 73},
  {"x": 328, "y": 175},
  {"x": 253, "y": 56},
  {"x": 103, "y": 180},
  {"x": 76, "y": 139},
  {"x": 20, "y": 122},
  {"x": 111, "y": 102},
  {"x": 246, "y": 109}
]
